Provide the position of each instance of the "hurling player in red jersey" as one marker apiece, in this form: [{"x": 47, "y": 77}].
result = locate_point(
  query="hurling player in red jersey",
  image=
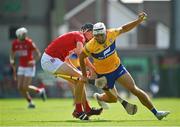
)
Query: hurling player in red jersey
[
  {"x": 24, "y": 48},
  {"x": 54, "y": 61}
]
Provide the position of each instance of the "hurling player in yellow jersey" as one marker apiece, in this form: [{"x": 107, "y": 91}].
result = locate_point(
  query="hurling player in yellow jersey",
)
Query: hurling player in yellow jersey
[{"x": 107, "y": 63}]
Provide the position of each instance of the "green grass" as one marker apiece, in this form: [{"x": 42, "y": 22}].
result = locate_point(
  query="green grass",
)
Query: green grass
[{"x": 57, "y": 112}]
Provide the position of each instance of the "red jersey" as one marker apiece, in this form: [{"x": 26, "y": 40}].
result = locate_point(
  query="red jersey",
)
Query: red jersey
[
  {"x": 24, "y": 50},
  {"x": 61, "y": 46}
]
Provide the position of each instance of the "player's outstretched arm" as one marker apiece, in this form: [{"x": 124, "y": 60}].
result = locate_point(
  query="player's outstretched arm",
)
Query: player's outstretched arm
[{"x": 129, "y": 26}]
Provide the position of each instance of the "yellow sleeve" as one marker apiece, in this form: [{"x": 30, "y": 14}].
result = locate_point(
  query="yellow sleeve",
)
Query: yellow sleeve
[
  {"x": 88, "y": 49},
  {"x": 114, "y": 32}
]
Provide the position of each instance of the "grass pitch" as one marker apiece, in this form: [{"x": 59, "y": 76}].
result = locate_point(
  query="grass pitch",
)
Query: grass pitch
[{"x": 57, "y": 112}]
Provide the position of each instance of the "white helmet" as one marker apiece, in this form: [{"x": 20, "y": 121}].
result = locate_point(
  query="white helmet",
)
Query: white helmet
[
  {"x": 99, "y": 28},
  {"x": 21, "y": 31}
]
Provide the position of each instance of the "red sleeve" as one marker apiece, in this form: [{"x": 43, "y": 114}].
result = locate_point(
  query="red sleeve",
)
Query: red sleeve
[
  {"x": 80, "y": 38},
  {"x": 32, "y": 45}
]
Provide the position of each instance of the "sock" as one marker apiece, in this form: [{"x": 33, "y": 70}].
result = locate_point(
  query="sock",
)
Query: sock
[
  {"x": 79, "y": 107},
  {"x": 31, "y": 102},
  {"x": 87, "y": 108},
  {"x": 154, "y": 111}
]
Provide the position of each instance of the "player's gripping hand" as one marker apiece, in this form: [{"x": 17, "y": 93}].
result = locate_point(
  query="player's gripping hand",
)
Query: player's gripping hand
[
  {"x": 142, "y": 16},
  {"x": 31, "y": 63}
]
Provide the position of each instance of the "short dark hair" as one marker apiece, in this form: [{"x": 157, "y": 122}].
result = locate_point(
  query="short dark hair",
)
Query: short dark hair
[{"x": 87, "y": 26}]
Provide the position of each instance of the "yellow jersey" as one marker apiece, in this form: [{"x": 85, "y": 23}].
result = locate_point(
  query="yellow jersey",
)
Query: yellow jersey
[{"x": 105, "y": 58}]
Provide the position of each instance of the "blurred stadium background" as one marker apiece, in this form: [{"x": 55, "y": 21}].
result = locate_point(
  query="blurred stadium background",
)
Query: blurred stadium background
[{"x": 151, "y": 52}]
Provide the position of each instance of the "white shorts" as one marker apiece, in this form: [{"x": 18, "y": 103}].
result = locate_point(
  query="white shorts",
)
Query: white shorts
[
  {"x": 50, "y": 64},
  {"x": 26, "y": 71}
]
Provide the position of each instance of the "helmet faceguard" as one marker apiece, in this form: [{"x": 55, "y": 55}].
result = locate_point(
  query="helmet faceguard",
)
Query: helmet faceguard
[
  {"x": 99, "y": 32},
  {"x": 99, "y": 28}
]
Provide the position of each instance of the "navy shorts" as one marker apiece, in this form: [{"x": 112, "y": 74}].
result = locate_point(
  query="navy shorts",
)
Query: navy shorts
[{"x": 113, "y": 76}]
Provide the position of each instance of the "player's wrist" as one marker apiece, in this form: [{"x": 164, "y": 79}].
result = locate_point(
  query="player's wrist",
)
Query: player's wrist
[{"x": 12, "y": 62}]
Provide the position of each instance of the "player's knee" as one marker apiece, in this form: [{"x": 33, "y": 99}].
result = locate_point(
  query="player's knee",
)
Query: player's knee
[{"x": 134, "y": 90}]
